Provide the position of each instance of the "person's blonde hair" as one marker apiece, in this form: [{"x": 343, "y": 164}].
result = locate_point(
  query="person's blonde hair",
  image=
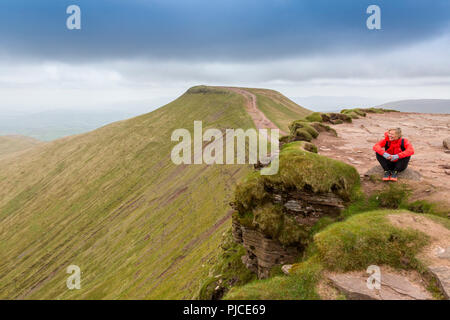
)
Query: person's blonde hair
[{"x": 398, "y": 131}]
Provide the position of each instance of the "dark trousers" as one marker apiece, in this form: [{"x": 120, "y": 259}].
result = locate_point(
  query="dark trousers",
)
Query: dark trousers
[{"x": 388, "y": 165}]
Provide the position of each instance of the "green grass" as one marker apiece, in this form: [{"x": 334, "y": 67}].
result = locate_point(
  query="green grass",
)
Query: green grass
[
  {"x": 299, "y": 145},
  {"x": 300, "y": 286},
  {"x": 227, "y": 270},
  {"x": 279, "y": 109},
  {"x": 363, "y": 236},
  {"x": 361, "y": 240},
  {"x": 438, "y": 219},
  {"x": 314, "y": 117},
  {"x": 394, "y": 196},
  {"x": 299, "y": 170},
  {"x": 365, "y": 239},
  {"x": 300, "y": 128},
  {"x": 112, "y": 202}
]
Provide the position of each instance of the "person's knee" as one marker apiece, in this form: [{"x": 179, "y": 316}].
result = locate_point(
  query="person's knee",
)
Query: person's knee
[
  {"x": 380, "y": 158},
  {"x": 402, "y": 164}
]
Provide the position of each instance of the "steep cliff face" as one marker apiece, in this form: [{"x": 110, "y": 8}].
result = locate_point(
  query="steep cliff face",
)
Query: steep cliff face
[
  {"x": 262, "y": 253},
  {"x": 275, "y": 214}
]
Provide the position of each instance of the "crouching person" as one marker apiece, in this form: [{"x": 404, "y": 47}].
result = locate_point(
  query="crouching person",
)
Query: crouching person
[{"x": 393, "y": 153}]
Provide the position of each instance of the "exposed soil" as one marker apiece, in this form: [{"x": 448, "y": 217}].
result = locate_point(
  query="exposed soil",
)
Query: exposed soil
[
  {"x": 426, "y": 133},
  {"x": 258, "y": 117},
  {"x": 326, "y": 290},
  {"x": 439, "y": 236}
]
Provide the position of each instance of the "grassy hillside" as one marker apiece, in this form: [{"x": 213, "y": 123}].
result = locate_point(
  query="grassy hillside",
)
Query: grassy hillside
[
  {"x": 112, "y": 202},
  {"x": 13, "y": 143}
]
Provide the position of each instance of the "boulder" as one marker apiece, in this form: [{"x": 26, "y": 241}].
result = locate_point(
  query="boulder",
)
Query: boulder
[{"x": 408, "y": 174}]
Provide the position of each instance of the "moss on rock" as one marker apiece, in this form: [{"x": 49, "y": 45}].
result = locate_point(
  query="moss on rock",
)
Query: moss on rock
[
  {"x": 302, "y": 130},
  {"x": 298, "y": 170},
  {"x": 320, "y": 127},
  {"x": 354, "y": 113},
  {"x": 285, "y": 139},
  {"x": 292, "y": 233},
  {"x": 300, "y": 145},
  {"x": 302, "y": 135},
  {"x": 314, "y": 117},
  {"x": 336, "y": 118},
  {"x": 270, "y": 219},
  {"x": 228, "y": 271}
]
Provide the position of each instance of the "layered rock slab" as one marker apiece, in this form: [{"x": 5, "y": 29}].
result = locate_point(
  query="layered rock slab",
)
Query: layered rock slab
[
  {"x": 442, "y": 274},
  {"x": 393, "y": 287},
  {"x": 262, "y": 252}
]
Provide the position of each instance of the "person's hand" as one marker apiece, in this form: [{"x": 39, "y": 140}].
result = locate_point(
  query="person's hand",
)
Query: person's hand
[
  {"x": 394, "y": 157},
  {"x": 386, "y": 155}
]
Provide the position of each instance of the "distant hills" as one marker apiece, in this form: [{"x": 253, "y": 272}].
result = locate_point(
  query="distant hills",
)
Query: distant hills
[
  {"x": 334, "y": 104},
  {"x": 13, "y": 143},
  {"x": 419, "y": 105},
  {"x": 53, "y": 124}
]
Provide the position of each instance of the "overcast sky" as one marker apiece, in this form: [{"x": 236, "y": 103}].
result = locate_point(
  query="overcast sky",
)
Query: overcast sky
[{"x": 144, "y": 53}]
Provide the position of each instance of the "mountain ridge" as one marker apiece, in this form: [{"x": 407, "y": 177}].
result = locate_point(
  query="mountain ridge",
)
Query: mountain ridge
[{"x": 111, "y": 201}]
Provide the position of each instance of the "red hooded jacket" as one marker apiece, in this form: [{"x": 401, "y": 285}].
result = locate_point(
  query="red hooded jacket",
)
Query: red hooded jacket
[{"x": 394, "y": 147}]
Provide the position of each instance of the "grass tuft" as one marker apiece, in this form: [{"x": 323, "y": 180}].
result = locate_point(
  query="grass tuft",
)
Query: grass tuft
[{"x": 365, "y": 239}]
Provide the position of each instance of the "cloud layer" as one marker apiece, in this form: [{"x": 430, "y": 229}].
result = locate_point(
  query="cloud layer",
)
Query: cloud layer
[{"x": 138, "y": 50}]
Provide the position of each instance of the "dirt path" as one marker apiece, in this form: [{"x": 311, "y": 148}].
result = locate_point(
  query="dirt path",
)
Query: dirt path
[
  {"x": 436, "y": 255},
  {"x": 259, "y": 118},
  {"x": 425, "y": 131},
  {"x": 439, "y": 236}
]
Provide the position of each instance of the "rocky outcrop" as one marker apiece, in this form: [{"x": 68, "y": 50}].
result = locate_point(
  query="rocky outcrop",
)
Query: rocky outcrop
[
  {"x": 307, "y": 207},
  {"x": 275, "y": 214},
  {"x": 262, "y": 252},
  {"x": 303, "y": 209},
  {"x": 335, "y": 118}
]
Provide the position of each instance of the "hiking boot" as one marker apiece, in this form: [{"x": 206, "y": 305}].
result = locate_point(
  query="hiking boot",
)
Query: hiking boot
[
  {"x": 394, "y": 176},
  {"x": 387, "y": 176}
]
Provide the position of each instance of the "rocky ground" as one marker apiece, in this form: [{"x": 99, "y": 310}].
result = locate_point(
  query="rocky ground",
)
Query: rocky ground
[
  {"x": 428, "y": 175},
  {"x": 400, "y": 284},
  {"x": 430, "y": 166}
]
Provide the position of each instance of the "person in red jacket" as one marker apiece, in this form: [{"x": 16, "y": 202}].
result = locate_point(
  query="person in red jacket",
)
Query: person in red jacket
[{"x": 393, "y": 153}]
